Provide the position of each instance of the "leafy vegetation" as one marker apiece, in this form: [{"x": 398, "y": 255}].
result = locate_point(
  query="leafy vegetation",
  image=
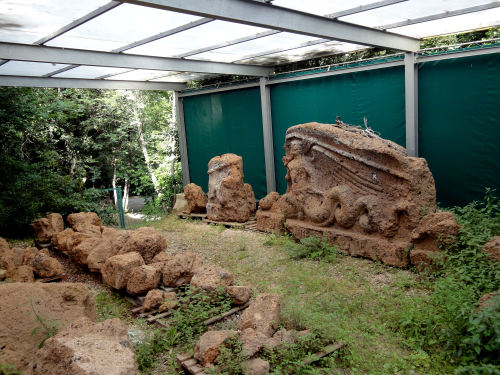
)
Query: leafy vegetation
[
  {"x": 314, "y": 248},
  {"x": 6, "y": 369},
  {"x": 111, "y": 305},
  {"x": 49, "y": 327}
]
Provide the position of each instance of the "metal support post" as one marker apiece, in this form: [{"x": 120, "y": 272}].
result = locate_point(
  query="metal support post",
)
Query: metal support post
[
  {"x": 120, "y": 206},
  {"x": 411, "y": 103},
  {"x": 267, "y": 127},
  {"x": 181, "y": 129}
]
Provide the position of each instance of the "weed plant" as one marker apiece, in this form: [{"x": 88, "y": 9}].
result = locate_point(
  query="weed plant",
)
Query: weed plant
[
  {"x": 314, "y": 248},
  {"x": 230, "y": 360},
  {"x": 111, "y": 305},
  {"x": 7, "y": 369}
]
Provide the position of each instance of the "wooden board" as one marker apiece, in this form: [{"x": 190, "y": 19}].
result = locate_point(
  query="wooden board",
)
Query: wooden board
[
  {"x": 188, "y": 363},
  {"x": 327, "y": 350},
  {"x": 250, "y": 225}
]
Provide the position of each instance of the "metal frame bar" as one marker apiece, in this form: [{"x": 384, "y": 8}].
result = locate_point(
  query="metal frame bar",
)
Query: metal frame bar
[
  {"x": 181, "y": 130},
  {"x": 364, "y": 8},
  {"x": 264, "y": 15},
  {"x": 22, "y": 81},
  {"x": 458, "y": 54},
  {"x": 24, "y": 52},
  {"x": 267, "y": 128},
  {"x": 411, "y": 103}
]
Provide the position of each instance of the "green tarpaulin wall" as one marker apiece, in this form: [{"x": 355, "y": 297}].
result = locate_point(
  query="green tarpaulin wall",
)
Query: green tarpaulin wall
[{"x": 459, "y": 121}]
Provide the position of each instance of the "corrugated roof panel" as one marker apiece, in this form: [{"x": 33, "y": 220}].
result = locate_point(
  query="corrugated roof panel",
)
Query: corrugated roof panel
[{"x": 28, "y": 68}]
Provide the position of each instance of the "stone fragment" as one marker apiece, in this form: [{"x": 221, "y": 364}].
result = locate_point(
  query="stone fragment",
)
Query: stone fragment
[
  {"x": 210, "y": 277},
  {"x": 98, "y": 255},
  {"x": 117, "y": 269},
  {"x": 46, "y": 227},
  {"x": 239, "y": 294},
  {"x": 146, "y": 241},
  {"x": 229, "y": 198},
  {"x": 207, "y": 348},
  {"x": 82, "y": 245},
  {"x": 87, "y": 348},
  {"x": 161, "y": 257},
  {"x": 269, "y": 216},
  {"x": 46, "y": 266},
  {"x": 256, "y": 366},
  {"x": 169, "y": 301},
  {"x": 18, "y": 252},
  {"x": 196, "y": 199},
  {"x": 7, "y": 256},
  {"x": 61, "y": 239},
  {"x": 263, "y": 314},
  {"x": 28, "y": 255},
  {"x": 58, "y": 304},
  {"x": 252, "y": 341},
  {"x": 142, "y": 279},
  {"x": 180, "y": 205},
  {"x": 283, "y": 337},
  {"x": 22, "y": 274},
  {"x": 180, "y": 269},
  {"x": 85, "y": 222},
  {"x": 492, "y": 249},
  {"x": 158, "y": 299}
]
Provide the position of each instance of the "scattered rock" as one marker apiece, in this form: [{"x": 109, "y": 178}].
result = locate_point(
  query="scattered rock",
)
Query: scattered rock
[
  {"x": 146, "y": 241},
  {"x": 161, "y": 258},
  {"x": 46, "y": 266},
  {"x": 229, "y": 198},
  {"x": 61, "y": 239},
  {"x": 22, "y": 274},
  {"x": 117, "y": 269},
  {"x": 180, "y": 205},
  {"x": 97, "y": 256},
  {"x": 492, "y": 249},
  {"x": 58, "y": 304},
  {"x": 85, "y": 222},
  {"x": 210, "y": 277},
  {"x": 252, "y": 341},
  {"x": 239, "y": 294},
  {"x": 180, "y": 269},
  {"x": 207, "y": 348},
  {"x": 18, "y": 253},
  {"x": 87, "y": 348},
  {"x": 28, "y": 255},
  {"x": 169, "y": 301},
  {"x": 256, "y": 366},
  {"x": 142, "y": 279},
  {"x": 196, "y": 199},
  {"x": 7, "y": 257},
  {"x": 46, "y": 227},
  {"x": 263, "y": 314},
  {"x": 283, "y": 337}
]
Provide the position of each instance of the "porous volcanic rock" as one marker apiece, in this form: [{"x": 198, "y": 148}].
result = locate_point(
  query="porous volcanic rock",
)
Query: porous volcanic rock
[
  {"x": 161, "y": 257},
  {"x": 252, "y": 341},
  {"x": 263, "y": 314},
  {"x": 196, "y": 198},
  {"x": 239, "y": 294},
  {"x": 146, "y": 241},
  {"x": 364, "y": 193},
  {"x": 158, "y": 299},
  {"x": 28, "y": 255},
  {"x": 179, "y": 270},
  {"x": 207, "y": 348},
  {"x": 492, "y": 249},
  {"x": 57, "y": 304},
  {"x": 102, "y": 251},
  {"x": 46, "y": 266},
  {"x": 256, "y": 366},
  {"x": 85, "y": 222},
  {"x": 7, "y": 256},
  {"x": 47, "y": 226},
  {"x": 283, "y": 337},
  {"x": 87, "y": 348},
  {"x": 82, "y": 245},
  {"x": 18, "y": 253},
  {"x": 229, "y": 198},
  {"x": 60, "y": 240},
  {"x": 117, "y": 269},
  {"x": 142, "y": 279},
  {"x": 22, "y": 274},
  {"x": 210, "y": 277}
]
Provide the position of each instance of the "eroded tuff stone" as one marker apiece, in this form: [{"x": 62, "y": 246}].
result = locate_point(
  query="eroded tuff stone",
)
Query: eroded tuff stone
[
  {"x": 252, "y": 341},
  {"x": 61, "y": 303},
  {"x": 239, "y": 294},
  {"x": 146, "y": 241},
  {"x": 229, "y": 198},
  {"x": 283, "y": 337},
  {"x": 158, "y": 299},
  {"x": 85, "y": 222},
  {"x": 263, "y": 314},
  {"x": 196, "y": 199},
  {"x": 117, "y": 269},
  {"x": 98, "y": 255},
  {"x": 28, "y": 255},
  {"x": 87, "y": 348},
  {"x": 360, "y": 190},
  {"x": 256, "y": 366},
  {"x": 207, "y": 348},
  {"x": 46, "y": 227},
  {"x": 492, "y": 249},
  {"x": 7, "y": 256},
  {"x": 181, "y": 204},
  {"x": 60, "y": 240},
  {"x": 142, "y": 279},
  {"x": 179, "y": 270},
  {"x": 210, "y": 277},
  {"x": 22, "y": 274},
  {"x": 46, "y": 266}
]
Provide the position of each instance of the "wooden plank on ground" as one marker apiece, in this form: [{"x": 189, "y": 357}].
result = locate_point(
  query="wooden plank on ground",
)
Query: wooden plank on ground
[
  {"x": 226, "y": 314},
  {"x": 327, "y": 350},
  {"x": 51, "y": 279},
  {"x": 187, "y": 362},
  {"x": 143, "y": 315},
  {"x": 136, "y": 310},
  {"x": 159, "y": 316}
]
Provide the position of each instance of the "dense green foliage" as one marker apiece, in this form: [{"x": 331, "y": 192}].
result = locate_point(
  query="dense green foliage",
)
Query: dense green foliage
[
  {"x": 59, "y": 146},
  {"x": 314, "y": 248}
]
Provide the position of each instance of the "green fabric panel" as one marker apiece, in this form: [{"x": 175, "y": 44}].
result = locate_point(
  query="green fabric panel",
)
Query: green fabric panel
[
  {"x": 226, "y": 122},
  {"x": 459, "y": 125},
  {"x": 377, "y": 95}
]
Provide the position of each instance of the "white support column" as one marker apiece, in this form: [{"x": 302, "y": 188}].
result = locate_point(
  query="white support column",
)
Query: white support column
[
  {"x": 181, "y": 129},
  {"x": 267, "y": 127},
  {"x": 411, "y": 103}
]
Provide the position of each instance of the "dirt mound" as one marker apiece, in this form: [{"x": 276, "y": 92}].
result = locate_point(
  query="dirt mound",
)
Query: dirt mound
[
  {"x": 25, "y": 306},
  {"x": 87, "y": 348},
  {"x": 195, "y": 198}
]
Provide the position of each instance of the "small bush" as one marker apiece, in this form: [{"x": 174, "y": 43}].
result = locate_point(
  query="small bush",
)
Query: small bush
[
  {"x": 314, "y": 248},
  {"x": 231, "y": 358}
]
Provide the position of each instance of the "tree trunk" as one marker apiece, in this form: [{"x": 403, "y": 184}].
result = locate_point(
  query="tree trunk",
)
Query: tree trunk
[
  {"x": 126, "y": 194},
  {"x": 113, "y": 184}
]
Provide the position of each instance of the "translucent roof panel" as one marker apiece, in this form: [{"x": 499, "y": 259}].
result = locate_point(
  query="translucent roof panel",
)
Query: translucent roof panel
[
  {"x": 139, "y": 75},
  {"x": 321, "y": 7},
  {"x": 90, "y": 72},
  {"x": 28, "y": 21},
  {"x": 182, "y": 77},
  {"x": 211, "y": 33},
  {"x": 120, "y": 26},
  {"x": 241, "y": 50},
  {"x": 27, "y": 68}
]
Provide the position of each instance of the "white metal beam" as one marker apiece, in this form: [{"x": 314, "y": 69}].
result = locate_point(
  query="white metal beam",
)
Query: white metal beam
[
  {"x": 23, "y": 81},
  {"x": 283, "y": 19},
  {"x": 267, "y": 128},
  {"x": 411, "y": 103},
  {"x": 24, "y": 52}
]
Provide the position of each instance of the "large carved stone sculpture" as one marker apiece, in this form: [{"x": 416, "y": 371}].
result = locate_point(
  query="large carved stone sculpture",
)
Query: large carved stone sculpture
[
  {"x": 229, "y": 198},
  {"x": 361, "y": 191}
]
